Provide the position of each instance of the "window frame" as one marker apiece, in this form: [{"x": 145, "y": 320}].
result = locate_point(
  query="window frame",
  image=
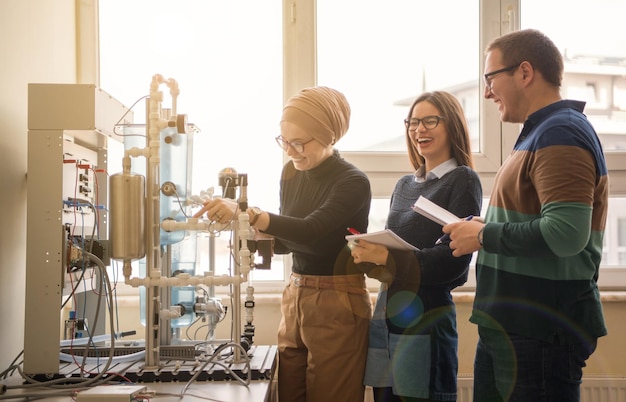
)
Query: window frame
[
  {"x": 300, "y": 70},
  {"x": 497, "y": 17}
]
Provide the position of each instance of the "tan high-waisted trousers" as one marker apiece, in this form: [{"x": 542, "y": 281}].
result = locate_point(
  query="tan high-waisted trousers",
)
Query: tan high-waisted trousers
[{"x": 323, "y": 339}]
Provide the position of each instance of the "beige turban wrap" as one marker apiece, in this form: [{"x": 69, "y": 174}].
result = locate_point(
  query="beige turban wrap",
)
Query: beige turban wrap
[{"x": 321, "y": 111}]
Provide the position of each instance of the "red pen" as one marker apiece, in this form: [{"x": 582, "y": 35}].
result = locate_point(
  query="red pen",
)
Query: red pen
[{"x": 353, "y": 231}]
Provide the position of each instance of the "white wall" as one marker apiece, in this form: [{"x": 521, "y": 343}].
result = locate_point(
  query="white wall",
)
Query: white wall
[{"x": 37, "y": 44}]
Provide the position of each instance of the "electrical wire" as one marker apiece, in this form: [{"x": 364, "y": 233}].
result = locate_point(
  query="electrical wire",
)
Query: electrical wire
[
  {"x": 78, "y": 282},
  {"x": 117, "y": 310},
  {"x": 38, "y": 395},
  {"x": 62, "y": 383},
  {"x": 117, "y": 124},
  {"x": 189, "y": 394},
  {"x": 68, "y": 386},
  {"x": 91, "y": 331},
  {"x": 33, "y": 395},
  {"x": 211, "y": 360},
  {"x": 12, "y": 367},
  {"x": 180, "y": 204}
]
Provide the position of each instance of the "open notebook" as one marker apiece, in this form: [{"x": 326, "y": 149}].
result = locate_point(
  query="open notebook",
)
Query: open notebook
[
  {"x": 434, "y": 212},
  {"x": 385, "y": 237}
]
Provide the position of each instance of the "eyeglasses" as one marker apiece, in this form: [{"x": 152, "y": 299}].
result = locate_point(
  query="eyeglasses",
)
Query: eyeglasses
[
  {"x": 297, "y": 146},
  {"x": 489, "y": 76},
  {"x": 429, "y": 122}
]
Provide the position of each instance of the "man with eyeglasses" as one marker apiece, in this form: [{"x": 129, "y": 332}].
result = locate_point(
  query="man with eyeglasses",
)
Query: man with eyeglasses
[{"x": 537, "y": 303}]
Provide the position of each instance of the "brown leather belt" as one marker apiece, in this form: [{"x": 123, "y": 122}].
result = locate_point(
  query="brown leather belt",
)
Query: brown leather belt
[{"x": 342, "y": 283}]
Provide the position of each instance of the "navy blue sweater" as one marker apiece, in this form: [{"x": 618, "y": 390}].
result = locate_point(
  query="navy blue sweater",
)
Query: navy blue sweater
[{"x": 432, "y": 272}]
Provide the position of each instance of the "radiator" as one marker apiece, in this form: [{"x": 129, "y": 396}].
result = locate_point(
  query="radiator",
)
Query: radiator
[
  {"x": 465, "y": 386},
  {"x": 593, "y": 389},
  {"x": 603, "y": 389}
]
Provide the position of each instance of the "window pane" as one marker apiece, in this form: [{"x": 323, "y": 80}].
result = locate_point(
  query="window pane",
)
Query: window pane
[
  {"x": 614, "y": 252},
  {"x": 383, "y": 54},
  {"x": 593, "y": 44},
  {"x": 227, "y": 60}
]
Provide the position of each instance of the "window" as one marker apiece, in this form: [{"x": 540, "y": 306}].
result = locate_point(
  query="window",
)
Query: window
[
  {"x": 595, "y": 63},
  {"x": 621, "y": 241},
  {"x": 595, "y": 59},
  {"x": 392, "y": 52},
  {"x": 227, "y": 60},
  {"x": 592, "y": 73},
  {"x": 237, "y": 63}
]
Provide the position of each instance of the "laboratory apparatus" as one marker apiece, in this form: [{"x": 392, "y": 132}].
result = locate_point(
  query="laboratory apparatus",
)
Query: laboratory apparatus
[{"x": 139, "y": 218}]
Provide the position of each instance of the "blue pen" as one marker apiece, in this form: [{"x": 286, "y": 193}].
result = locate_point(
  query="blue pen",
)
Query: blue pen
[{"x": 447, "y": 236}]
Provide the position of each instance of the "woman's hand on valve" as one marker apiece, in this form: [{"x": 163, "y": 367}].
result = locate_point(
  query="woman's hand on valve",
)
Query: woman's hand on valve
[{"x": 219, "y": 210}]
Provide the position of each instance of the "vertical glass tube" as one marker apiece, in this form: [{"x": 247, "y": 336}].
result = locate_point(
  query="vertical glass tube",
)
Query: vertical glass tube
[{"x": 173, "y": 171}]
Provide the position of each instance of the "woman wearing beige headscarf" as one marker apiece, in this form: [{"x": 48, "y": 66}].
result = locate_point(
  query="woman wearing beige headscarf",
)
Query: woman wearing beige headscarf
[{"x": 323, "y": 333}]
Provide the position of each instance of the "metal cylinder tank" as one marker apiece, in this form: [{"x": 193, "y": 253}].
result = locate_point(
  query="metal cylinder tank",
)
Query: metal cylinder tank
[{"x": 127, "y": 216}]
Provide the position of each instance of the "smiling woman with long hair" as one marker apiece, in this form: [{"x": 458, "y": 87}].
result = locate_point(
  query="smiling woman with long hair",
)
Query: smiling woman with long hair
[{"x": 413, "y": 341}]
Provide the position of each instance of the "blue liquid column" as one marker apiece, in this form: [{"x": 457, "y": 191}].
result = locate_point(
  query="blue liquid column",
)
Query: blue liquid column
[
  {"x": 175, "y": 164},
  {"x": 173, "y": 171}
]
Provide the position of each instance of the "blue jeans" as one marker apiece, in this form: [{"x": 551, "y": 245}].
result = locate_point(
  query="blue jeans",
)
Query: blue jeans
[{"x": 514, "y": 368}]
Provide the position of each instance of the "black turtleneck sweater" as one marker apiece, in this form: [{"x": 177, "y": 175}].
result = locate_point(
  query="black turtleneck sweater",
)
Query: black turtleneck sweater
[{"x": 316, "y": 208}]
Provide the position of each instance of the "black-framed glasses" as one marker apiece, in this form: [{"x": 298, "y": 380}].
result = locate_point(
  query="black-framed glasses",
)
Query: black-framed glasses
[
  {"x": 429, "y": 122},
  {"x": 297, "y": 146},
  {"x": 489, "y": 76}
]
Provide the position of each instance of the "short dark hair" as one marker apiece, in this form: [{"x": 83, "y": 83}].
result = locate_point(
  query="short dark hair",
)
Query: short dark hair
[
  {"x": 534, "y": 47},
  {"x": 456, "y": 125}
]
